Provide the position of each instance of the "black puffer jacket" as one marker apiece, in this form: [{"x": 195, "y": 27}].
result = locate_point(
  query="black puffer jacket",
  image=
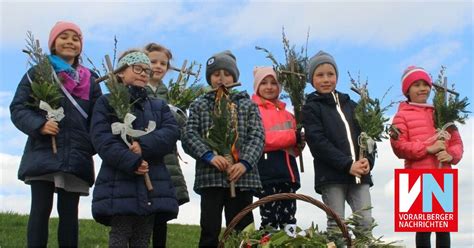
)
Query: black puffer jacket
[
  {"x": 328, "y": 140},
  {"x": 74, "y": 146}
]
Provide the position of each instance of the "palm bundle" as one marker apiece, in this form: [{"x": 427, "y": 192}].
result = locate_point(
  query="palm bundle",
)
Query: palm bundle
[
  {"x": 45, "y": 89},
  {"x": 180, "y": 94},
  {"x": 119, "y": 100},
  {"x": 448, "y": 109},
  {"x": 370, "y": 117},
  {"x": 222, "y": 136},
  {"x": 292, "y": 75}
]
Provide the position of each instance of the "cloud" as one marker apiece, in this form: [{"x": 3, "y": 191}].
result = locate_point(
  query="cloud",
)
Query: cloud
[
  {"x": 390, "y": 24},
  {"x": 378, "y": 23},
  {"x": 432, "y": 56}
]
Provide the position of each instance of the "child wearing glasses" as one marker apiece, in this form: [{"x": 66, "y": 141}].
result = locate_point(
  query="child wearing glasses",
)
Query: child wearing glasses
[{"x": 121, "y": 199}]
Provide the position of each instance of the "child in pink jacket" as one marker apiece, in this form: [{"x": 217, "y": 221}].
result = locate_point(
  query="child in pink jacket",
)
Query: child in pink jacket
[
  {"x": 277, "y": 165},
  {"x": 414, "y": 143}
]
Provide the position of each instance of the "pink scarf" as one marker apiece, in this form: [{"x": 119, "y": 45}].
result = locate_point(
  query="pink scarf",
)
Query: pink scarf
[{"x": 80, "y": 86}]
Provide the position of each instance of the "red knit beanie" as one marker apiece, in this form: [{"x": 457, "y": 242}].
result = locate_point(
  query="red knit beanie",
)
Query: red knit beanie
[
  {"x": 413, "y": 74},
  {"x": 60, "y": 27}
]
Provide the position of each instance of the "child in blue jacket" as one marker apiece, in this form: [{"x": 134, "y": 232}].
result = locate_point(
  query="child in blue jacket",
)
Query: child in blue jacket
[{"x": 121, "y": 199}]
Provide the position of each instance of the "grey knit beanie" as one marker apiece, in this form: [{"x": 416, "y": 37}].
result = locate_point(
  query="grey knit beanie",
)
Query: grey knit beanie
[
  {"x": 320, "y": 58},
  {"x": 223, "y": 60}
]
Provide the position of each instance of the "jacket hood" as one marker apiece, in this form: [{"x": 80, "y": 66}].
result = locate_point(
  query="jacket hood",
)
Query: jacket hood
[
  {"x": 409, "y": 106},
  {"x": 261, "y": 102}
]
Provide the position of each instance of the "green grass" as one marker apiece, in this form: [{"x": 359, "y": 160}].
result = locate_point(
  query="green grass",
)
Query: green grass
[{"x": 91, "y": 234}]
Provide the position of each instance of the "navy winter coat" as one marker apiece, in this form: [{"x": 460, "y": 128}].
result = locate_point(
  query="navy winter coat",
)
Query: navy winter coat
[
  {"x": 118, "y": 190},
  {"x": 327, "y": 139},
  {"x": 74, "y": 146}
]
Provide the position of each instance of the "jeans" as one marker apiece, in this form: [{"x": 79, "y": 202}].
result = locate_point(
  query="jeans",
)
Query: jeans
[{"x": 358, "y": 197}]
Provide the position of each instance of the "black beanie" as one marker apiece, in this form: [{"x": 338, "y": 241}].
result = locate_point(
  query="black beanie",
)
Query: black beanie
[{"x": 223, "y": 60}]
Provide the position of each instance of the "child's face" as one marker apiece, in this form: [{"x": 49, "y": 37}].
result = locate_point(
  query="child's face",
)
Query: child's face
[
  {"x": 159, "y": 64},
  {"x": 68, "y": 46},
  {"x": 220, "y": 77},
  {"x": 324, "y": 78},
  {"x": 419, "y": 91},
  {"x": 268, "y": 88},
  {"x": 136, "y": 75}
]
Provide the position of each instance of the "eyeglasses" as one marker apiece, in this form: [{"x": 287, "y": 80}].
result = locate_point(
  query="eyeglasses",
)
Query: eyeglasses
[{"x": 138, "y": 70}]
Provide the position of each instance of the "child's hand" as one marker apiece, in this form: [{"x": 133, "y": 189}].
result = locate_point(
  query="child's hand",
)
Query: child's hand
[
  {"x": 143, "y": 168},
  {"x": 444, "y": 157},
  {"x": 136, "y": 148},
  {"x": 365, "y": 165},
  {"x": 220, "y": 163},
  {"x": 439, "y": 145},
  {"x": 235, "y": 171},
  {"x": 50, "y": 127},
  {"x": 357, "y": 169}
]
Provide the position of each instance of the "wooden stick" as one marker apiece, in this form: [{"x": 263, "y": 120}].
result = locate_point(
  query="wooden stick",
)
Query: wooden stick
[
  {"x": 53, "y": 143},
  {"x": 235, "y": 84},
  {"x": 184, "y": 71},
  {"x": 360, "y": 94},
  {"x": 229, "y": 159},
  {"x": 114, "y": 72},
  {"x": 448, "y": 90},
  {"x": 149, "y": 185},
  {"x": 292, "y": 72}
]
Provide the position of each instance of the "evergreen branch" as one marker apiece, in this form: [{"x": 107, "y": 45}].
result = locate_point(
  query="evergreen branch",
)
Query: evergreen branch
[
  {"x": 180, "y": 94},
  {"x": 43, "y": 88},
  {"x": 454, "y": 110},
  {"x": 291, "y": 73},
  {"x": 369, "y": 113}
]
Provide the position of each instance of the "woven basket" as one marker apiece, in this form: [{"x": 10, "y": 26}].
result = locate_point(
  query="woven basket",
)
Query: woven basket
[{"x": 285, "y": 196}]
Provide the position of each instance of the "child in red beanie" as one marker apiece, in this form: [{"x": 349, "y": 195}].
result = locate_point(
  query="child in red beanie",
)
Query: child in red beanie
[
  {"x": 69, "y": 172},
  {"x": 415, "y": 122}
]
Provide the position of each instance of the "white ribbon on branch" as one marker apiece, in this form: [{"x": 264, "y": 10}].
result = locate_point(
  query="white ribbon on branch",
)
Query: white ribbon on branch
[
  {"x": 366, "y": 142},
  {"x": 126, "y": 128},
  {"x": 52, "y": 114},
  {"x": 441, "y": 133}
]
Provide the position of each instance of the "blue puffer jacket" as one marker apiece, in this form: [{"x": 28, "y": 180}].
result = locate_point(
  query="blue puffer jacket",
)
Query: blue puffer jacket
[
  {"x": 74, "y": 146},
  {"x": 118, "y": 190}
]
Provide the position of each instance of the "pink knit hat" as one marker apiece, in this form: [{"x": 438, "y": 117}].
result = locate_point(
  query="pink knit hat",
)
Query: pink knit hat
[
  {"x": 259, "y": 73},
  {"x": 413, "y": 74},
  {"x": 60, "y": 27}
]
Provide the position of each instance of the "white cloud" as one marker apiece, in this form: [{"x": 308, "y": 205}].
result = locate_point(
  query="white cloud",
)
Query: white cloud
[
  {"x": 432, "y": 56},
  {"x": 378, "y": 23},
  {"x": 389, "y": 24}
]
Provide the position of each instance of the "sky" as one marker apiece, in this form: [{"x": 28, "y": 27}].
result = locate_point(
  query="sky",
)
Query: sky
[{"x": 376, "y": 39}]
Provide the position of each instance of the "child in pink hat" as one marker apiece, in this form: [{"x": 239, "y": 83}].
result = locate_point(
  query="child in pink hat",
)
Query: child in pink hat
[
  {"x": 277, "y": 166},
  {"x": 415, "y": 122},
  {"x": 70, "y": 171}
]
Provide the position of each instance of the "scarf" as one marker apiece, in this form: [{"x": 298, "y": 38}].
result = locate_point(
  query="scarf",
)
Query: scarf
[{"x": 76, "y": 81}]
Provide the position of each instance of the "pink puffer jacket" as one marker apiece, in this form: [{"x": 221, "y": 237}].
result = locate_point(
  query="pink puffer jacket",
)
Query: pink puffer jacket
[
  {"x": 416, "y": 125},
  {"x": 279, "y": 125}
]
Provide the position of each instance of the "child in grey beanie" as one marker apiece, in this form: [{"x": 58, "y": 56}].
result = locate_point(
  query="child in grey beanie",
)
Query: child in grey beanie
[
  {"x": 223, "y": 60},
  {"x": 320, "y": 58},
  {"x": 331, "y": 133}
]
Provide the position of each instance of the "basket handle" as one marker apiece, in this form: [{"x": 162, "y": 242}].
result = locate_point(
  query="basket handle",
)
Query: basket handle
[{"x": 285, "y": 196}]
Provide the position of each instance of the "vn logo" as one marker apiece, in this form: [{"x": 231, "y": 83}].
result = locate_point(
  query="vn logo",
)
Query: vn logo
[{"x": 426, "y": 200}]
